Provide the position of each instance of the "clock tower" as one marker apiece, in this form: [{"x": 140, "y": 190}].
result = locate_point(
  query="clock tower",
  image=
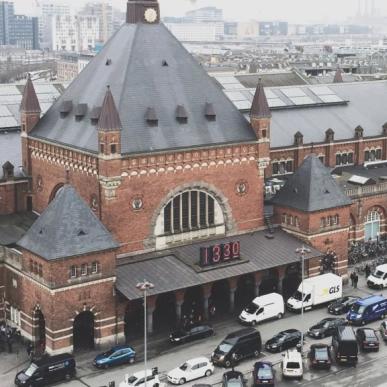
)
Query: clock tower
[{"x": 143, "y": 11}]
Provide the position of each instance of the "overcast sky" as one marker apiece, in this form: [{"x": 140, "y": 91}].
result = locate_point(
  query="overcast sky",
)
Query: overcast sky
[{"x": 301, "y": 11}]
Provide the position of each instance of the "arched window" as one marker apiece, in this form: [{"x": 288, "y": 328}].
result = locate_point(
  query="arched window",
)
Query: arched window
[
  {"x": 322, "y": 222},
  {"x": 372, "y": 225},
  {"x": 296, "y": 221},
  {"x": 189, "y": 211}
]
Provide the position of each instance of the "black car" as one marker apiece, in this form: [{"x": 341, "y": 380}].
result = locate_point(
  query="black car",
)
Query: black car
[
  {"x": 367, "y": 339},
  {"x": 194, "y": 333},
  {"x": 325, "y": 327},
  {"x": 284, "y": 340},
  {"x": 263, "y": 374},
  {"x": 233, "y": 379},
  {"x": 342, "y": 305},
  {"x": 320, "y": 356}
]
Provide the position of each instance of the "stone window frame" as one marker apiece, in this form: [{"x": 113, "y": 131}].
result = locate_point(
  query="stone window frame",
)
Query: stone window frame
[
  {"x": 377, "y": 151},
  {"x": 286, "y": 170},
  {"x": 95, "y": 267},
  {"x": 73, "y": 272},
  {"x": 349, "y": 155},
  {"x": 84, "y": 269}
]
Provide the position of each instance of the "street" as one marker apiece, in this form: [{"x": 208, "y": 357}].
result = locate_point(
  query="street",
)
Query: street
[{"x": 369, "y": 372}]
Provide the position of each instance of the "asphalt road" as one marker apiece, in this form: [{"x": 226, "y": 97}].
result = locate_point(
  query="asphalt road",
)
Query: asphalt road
[{"x": 371, "y": 370}]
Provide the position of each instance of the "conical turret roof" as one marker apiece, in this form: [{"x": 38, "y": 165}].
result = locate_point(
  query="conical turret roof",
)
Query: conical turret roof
[
  {"x": 109, "y": 119},
  {"x": 260, "y": 107},
  {"x": 30, "y": 102}
]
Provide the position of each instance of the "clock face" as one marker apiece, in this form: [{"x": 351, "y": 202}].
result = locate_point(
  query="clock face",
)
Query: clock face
[{"x": 150, "y": 15}]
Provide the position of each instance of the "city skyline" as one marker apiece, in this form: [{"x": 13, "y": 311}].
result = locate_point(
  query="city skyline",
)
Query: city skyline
[{"x": 299, "y": 11}]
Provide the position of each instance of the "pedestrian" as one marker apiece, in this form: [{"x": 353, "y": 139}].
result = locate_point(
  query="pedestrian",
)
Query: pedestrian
[
  {"x": 9, "y": 343},
  {"x": 352, "y": 276},
  {"x": 29, "y": 348},
  {"x": 212, "y": 310},
  {"x": 355, "y": 280},
  {"x": 367, "y": 270}
]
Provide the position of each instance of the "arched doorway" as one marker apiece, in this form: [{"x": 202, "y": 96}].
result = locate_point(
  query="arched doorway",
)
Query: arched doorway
[
  {"x": 83, "y": 331},
  {"x": 58, "y": 188},
  {"x": 245, "y": 291},
  {"x": 40, "y": 331},
  {"x": 269, "y": 283},
  {"x": 292, "y": 280},
  {"x": 134, "y": 319},
  {"x": 220, "y": 296},
  {"x": 164, "y": 316},
  {"x": 372, "y": 225}
]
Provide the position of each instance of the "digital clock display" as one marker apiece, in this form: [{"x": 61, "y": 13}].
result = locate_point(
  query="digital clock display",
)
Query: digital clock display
[{"x": 214, "y": 255}]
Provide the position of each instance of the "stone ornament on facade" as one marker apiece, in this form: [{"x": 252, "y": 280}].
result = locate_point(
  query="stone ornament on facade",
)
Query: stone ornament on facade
[
  {"x": 242, "y": 187},
  {"x": 137, "y": 203},
  {"x": 94, "y": 202},
  {"x": 39, "y": 183}
]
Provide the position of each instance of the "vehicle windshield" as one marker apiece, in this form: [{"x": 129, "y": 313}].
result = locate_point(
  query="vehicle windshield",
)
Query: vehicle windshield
[
  {"x": 265, "y": 373},
  {"x": 321, "y": 354},
  {"x": 281, "y": 336},
  {"x": 369, "y": 334},
  {"x": 31, "y": 369},
  {"x": 108, "y": 353},
  {"x": 251, "y": 308},
  {"x": 234, "y": 383},
  {"x": 378, "y": 274},
  {"x": 184, "y": 367},
  {"x": 293, "y": 365},
  {"x": 132, "y": 379},
  {"x": 225, "y": 347},
  {"x": 359, "y": 309}
]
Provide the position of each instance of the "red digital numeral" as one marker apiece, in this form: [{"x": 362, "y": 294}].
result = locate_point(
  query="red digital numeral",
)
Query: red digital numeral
[
  {"x": 236, "y": 249},
  {"x": 226, "y": 251},
  {"x": 216, "y": 254}
]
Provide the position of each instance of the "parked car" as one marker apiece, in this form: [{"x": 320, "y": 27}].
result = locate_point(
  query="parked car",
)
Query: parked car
[
  {"x": 320, "y": 356},
  {"x": 191, "y": 334},
  {"x": 284, "y": 340},
  {"x": 342, "y": 305},
  {"x": 263, "y": 374},
  {"x": 344, "y": 345},
  {"x": 263, "y": 308},
  {"x": 325, "y": 327},
  {"x": 292, "y": 366},
  {"x": 383, "y": 330},
  {"x": 367, "y": 339},
  {"x": 138, "y": 379},
  {"x": 190, "y": 370},
  {"x": 233, "y": 379},
  {"x": 119, "y": 354},
  {"x": 378, "y": 279},
  {"x": 367, "y": 309},
  {"x": 47, "y": 370},
  {"x": 236, "y": 346}
]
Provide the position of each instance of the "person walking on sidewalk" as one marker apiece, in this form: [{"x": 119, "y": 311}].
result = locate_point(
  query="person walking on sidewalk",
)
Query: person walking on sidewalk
[
  {"x": 352, "y": 276},
  {"x": 367, "y": 270},
  {"x": 355, "y": 280}
]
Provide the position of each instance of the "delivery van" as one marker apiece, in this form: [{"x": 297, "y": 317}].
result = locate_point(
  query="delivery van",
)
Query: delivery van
[
  {"x": 263, "y": 308},
  {"x": 344, "y": 345},
  {"x": 316, "y": 291},
  {"x": 367, "y": 309},
  {"x": 378, "y": 279}
]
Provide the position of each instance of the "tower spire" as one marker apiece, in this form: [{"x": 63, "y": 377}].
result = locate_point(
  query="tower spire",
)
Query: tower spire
[
  {"x": 109, "y": 120},
  {"x": 260, "y": 107},
  {"x": 30, "y": 102}
]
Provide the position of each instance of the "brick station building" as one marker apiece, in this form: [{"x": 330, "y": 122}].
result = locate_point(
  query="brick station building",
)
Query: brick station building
[{"x": 143, "y": 169}]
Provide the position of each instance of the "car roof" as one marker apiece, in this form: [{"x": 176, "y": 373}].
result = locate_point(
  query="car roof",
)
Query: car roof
[
  {"x": 53, "y": 359},
  {"x": 197, "y": 360},
  {"x": 319, "y": 345},
  {"x": 293, "y": 355},
  {"x": 141, "y": 374},
  {"x": 370, "y": 300},
  {"x": 118, "y": 347},
  {"x": 263, "y": 364},
  {"x": 290, "y": 331},
  {"x": 232, "y": 374}
]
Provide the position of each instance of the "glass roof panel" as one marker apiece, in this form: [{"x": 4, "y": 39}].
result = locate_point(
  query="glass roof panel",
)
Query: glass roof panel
[{"x": 293, "y": 92}]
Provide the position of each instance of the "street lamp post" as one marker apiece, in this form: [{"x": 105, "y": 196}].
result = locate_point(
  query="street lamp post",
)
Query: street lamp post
[
  {"x": 302, "y": 251},
  {"x": 144, "y": 287}
]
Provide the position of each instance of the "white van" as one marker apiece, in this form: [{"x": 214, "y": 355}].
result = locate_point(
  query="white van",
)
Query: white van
[
  {"x": 263, "y": 308},
  {"x": 378, "y": 279}
]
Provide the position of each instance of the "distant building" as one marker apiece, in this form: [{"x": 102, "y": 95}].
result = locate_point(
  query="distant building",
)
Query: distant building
[
  {"x": 74, "y": 33},
  {"x": 17, "y": 30},
  {"x": 197, "y": 32},
  {"x": 206, "y": 14},
  {"x": 104, "y": 13},
  {"x": 273, "y": 28},
  {"x": 230, "y": 29},
  {"x": 70, "y": 65},
  {"x": 248, "y": 29}
]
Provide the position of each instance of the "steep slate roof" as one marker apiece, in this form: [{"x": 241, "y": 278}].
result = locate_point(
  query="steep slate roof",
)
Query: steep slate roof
[
  {"x": 30, "y": 102},
  {"x": 109, "y": 119},
  {"x": 260, "y": 107},
  {"x": 67, "y": 228},
  {"x": 311, "y": 188},
  {"x": 138, "y": 79}
]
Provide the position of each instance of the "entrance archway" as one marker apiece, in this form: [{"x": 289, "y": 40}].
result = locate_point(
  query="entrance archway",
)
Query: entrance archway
[
  {"x": 220, "y": 296},
  {"x": 193, "y": 303},
  {"x": 164, "y": 315},
  {"x": 83, "y": 331},
  {"x": 40, "y": 331},
  {"x": 134, "y": 319},
  {"x": 269, "y": 283},
  {"x": 245, "y": 291},
  {"x": 292, "y": 280}
]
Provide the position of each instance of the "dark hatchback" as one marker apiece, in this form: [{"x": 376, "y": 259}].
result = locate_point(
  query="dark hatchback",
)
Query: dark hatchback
[
  {"x": 263, "y": 374},
  {"x": 233, "y": 379},
  {"x": 342, "y": 305},
  {"x": 284, "y": 340},
  {"x": 326, "y": 327},
  {"x": 320, "y": 356},
  {"x": 191, "y": 334},
  {"x": 367, "y": 339},
  {"x": 120, "y": 354}
]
